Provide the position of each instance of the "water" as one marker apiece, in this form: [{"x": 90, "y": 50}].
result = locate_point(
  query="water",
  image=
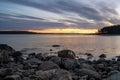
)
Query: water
[{"x": 94, "y": 44}]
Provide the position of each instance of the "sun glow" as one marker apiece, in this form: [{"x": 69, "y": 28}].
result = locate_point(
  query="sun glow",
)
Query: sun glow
[{"x": 82, "y": 31}]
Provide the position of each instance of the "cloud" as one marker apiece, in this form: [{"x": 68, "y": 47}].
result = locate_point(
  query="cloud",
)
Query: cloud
[{"x": 89, "y": 14}]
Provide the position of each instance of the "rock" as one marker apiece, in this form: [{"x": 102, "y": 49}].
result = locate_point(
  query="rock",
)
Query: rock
[
  {"x": 113, "y": 72},
  {"x": 33, "y": 61},
  {"x": 5, "y": 47},
  {"x": 90, "y": 73},
  {"x": 40, "y": 56},
  {"x": 32, "y": 55},
  {"x": 4, "y": 57},
  {"x": 56, "y": 60},
  {"x": 86, "y": 66},
  {"x": 13, "y": 77},
  {"x": 55, "y": 45},
  {"x": 54, "y": 74},
  {"x": 61, "y": 74},
  {"x": 102, "y": 56},
  {"x": 115, "y": 76},
  {"x": 66, "y": 54},
  {"x": 17, "y": 56},
  {"x": 5, "y": 72},
  {"x": 5, "y": 52},
  {"x": 47, "y": 65},
  {"x": 69, "y": 63}
]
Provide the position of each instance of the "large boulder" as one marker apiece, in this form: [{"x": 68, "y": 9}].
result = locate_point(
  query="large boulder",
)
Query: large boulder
[
  {"x": 5, "y": 47},
  {"x": 90, "y": 73},
  {"x": 66, "y": 54},
  {"x": 5, "y": 52},
  {"x": 47, "y": 65},
  {"x": 54, "y": 74}
]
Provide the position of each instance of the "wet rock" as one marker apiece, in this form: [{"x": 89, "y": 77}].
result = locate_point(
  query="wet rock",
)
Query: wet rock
[
  {"x": 41, "y": 56},
  {"x": 47, "y": 65},
  {"x": 69, "y": 63},
  {"x": 5, "y": 72},
  {"x": 66, "y": 54},
  {"x": 33, "y": 61},
  {"x": 4, "y": 57},
  {"x": 5, "y": 52},
  {"x": 113, "y": 72},
  {"x": 54, "y": 74},
  {"x": 13, "y": 77},
  {"x": 17, "y": 56},
  {"x": 86, "y": 66},
  {"x": 56, "y": 60},
  {"x": 115, "y": 76},
  {"x": 8, "y": 49},
  {"x": 90, "y": 73},
  {"x": 61, "y": 75}
]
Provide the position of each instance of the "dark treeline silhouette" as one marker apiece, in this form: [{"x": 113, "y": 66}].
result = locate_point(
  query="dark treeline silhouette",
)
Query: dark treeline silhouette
[
  {"x": 110, "y": 30},
  {"x": 16, "y": 32}
]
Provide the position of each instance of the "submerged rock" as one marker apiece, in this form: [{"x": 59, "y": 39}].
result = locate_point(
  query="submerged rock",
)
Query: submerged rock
[
  {"x": 47, "y": 65},
  {"x": 66, "y": 54},
  {"x": 56, "y": 45}
]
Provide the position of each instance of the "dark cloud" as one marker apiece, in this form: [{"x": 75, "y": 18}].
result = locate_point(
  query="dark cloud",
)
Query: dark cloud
[
  {"x": 98, "y": 12},
  {"x": 17, "y": 24},
  {"x": 61, "y": 6}
]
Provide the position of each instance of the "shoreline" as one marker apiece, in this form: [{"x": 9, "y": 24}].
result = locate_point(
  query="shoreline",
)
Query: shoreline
[{"x": 62, "y": 66}]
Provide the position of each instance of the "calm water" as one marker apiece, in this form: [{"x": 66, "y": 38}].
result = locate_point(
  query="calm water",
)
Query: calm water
[{"x": 94, "y": 44}]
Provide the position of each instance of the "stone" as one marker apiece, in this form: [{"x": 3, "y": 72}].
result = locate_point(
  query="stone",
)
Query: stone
[
  {"x": 5, "y": 72},
  {"x": 47, "y": 65},
  {"x": 13, "y": 77},
  {"x": 56, "y": 45},
  {"x": 40, "y": 56},
  {"x": 8, "y": 49},
  {"x": 56, "y": 60},
  {"x": 69, "y": 63},
  {"x": 61, "y": 74},
  {"x": 115, "y": 76},
  {"x": 33, "y": 61},
  {"x": 86, "y": 66},
  {"x": 17, "y": 56},
  {"x": 5, "y": 52},
  {"x": 54, "y": 74},
  {"x": 66, "y": 54},
  {"x": 89, "y": 73}
]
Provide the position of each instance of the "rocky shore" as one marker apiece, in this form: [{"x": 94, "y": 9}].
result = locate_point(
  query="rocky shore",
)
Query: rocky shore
[{"x": 64, "y": 66}]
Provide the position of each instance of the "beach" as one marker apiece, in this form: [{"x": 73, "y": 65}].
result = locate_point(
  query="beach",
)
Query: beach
[{"x": 65, "y": 65}]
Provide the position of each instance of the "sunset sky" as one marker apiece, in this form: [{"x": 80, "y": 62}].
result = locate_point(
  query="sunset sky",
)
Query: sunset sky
[{"x": 58, "y": 16}]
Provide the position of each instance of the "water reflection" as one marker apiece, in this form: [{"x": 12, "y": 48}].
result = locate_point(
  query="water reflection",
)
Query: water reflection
[{"x": 93, "y": 44}]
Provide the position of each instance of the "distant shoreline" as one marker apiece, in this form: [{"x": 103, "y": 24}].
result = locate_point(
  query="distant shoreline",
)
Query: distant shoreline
[{"x": 26, "y": 32}]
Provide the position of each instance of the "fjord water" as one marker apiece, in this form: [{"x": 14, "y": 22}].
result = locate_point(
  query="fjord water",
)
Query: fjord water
[{"x": 93, "y": 44}]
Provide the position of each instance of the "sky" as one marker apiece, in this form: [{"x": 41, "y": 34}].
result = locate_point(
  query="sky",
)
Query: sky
[{"x": 58, "y": 15}]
